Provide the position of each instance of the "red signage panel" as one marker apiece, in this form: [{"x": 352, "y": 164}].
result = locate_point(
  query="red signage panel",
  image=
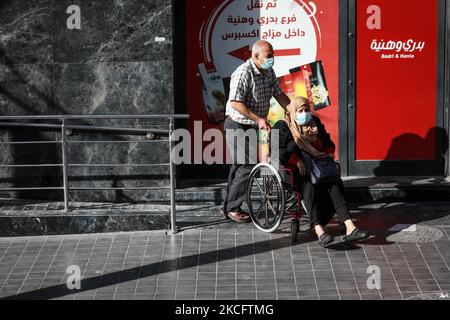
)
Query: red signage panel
[{"x": 396, "y": 79}]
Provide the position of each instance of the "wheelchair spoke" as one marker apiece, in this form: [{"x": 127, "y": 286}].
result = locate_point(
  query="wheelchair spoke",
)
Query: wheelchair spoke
[
  {"x": 259, "y": 186},
  {"x": 269, "y": 186},
  {"x": 272, "y": 189},
  {"x": 269, "y": 204},
  {"x": 261, "y": 194},
  {"x": 259, "y": 210},
  {"x": 278, "y": 200}
]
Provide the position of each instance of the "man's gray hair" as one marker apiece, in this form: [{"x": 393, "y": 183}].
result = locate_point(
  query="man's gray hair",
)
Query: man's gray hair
[{"x": 259, "y": 45}]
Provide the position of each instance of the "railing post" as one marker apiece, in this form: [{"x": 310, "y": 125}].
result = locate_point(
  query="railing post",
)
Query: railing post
[
  {"x": 65, "y": 166},
  {"x": 173, "y": 222}
]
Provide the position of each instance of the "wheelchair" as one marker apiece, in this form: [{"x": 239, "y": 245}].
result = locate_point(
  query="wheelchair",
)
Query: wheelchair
[{"x": 269, "y": 197}]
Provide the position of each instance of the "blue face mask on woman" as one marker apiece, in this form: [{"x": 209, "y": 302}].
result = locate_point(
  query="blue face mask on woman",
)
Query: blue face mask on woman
[
  {"x": 268, "y": 63},
  {"x": 303, "y": 118}
]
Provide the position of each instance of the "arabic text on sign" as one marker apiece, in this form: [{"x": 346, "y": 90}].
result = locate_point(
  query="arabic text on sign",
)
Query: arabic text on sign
[
  {"x": 407, "y": 46},
  {"x": 260, "y": 4},
  {"x": 241, "y": 35}
]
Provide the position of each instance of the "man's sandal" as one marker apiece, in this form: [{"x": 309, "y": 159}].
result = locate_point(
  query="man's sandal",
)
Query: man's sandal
[{"x": 239, "y": 216}]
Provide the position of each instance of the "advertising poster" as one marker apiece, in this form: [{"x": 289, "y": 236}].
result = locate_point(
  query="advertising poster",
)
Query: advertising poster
[
  {"x": 214, "y": 97},
  {"x": 221, "y": 33},
  {"x": 309, "y": 81},
  {"x": 396, "y": 74}
]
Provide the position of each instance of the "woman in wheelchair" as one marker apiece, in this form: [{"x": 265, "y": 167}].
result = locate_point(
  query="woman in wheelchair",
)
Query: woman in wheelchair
[{"x": 299, "y": 130}]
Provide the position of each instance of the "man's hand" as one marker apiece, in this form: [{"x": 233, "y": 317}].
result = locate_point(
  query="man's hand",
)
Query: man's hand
[
  {"x": 263, "y": 124},
  {"x": 301, "y": 167},
  {"x": 249, "y": 114}
]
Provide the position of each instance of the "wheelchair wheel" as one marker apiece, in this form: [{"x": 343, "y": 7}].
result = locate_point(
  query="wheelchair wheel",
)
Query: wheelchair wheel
[
  {"x": 295, "y": 228},
  {"x": 266, "y": 198}
]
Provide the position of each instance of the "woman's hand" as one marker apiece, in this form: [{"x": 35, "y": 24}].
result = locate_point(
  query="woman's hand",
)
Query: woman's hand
[
  {"x": 263, "y": 124},
  {"x": 301, "y": 167}
]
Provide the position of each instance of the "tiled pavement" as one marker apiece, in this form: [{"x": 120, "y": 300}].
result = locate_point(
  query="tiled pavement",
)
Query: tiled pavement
[{"x": 230, "y": 261}]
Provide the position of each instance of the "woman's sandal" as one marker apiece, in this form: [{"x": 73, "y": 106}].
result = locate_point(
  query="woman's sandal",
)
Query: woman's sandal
[
  {"x": 239, "y": 216},
  {"x": 325, "y": 239},
  {"x": 356, "y": 235}
]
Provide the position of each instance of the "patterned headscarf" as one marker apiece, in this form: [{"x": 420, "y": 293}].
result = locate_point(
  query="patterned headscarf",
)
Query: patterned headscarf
[{"x": 305, "y": 134}]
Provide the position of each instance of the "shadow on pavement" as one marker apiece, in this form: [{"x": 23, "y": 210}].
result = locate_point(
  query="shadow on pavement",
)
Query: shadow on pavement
[
  {"x": 390, "y": 219},
  {"x": 155, "y": 268}
]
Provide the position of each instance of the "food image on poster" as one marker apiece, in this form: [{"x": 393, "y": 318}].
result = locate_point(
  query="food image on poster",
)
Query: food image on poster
[
  {"x": 276, "y": 112},
  {"x": 309, "y": 81},
  {"x": 213, "y": 90},
  {"x": 319, "y": 94}
]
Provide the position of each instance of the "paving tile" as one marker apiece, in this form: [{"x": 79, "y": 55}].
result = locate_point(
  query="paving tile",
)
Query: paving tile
[
  {"x": 309, "y": 298},
  {"x": 207, "y": 282},
  {"x": 226, "y": 289},
  {"x": 348, "y": 291},
  {"x": 182, "y": 283},
  {"x": 225, "y": 282},
  {"x": 349, "y": 297},
  {"x": 180, "y": 297},
  {"x": 206, "y": 289},
  {"x": 225, "y": 295},
  {"x": 430, "y": 287},
  {"x": 329, "y": 297},
  {"x": 408, "y": 295},
  {"x": 265, "y": 287},
  {"x": 371, "y": 297},
  {"x": 445, "y": 286},
  {"x": 405, "y": 283},
  {"x": 104, "y": 297},
  {"x": 392, "y": 296},
  {"x": 206, "y": 276},
  {"x": 145, "y": 290},
  {"x": 245, "y": 282},
  {"x": 419, "y": 276},
  {"x": 404, "y": 289},
  {"x": 244, "y": 295},
  {"x": 164, "y": 296}
]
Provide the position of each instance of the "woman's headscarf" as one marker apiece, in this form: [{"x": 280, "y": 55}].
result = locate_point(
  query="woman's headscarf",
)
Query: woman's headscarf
[{"x": 305, "y": 134}]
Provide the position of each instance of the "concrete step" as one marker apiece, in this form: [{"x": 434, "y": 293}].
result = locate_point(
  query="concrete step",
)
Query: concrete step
[
  {"x": 36, "y": 217},
  {"x": 198, "y": 204},
  {"x": 358, "y": 190}
]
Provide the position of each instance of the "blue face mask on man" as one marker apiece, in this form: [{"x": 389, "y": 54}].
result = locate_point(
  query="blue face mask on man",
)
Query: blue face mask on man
[
  {"x": 268, "y": 63},
  {"x": 303, "y": 118}
]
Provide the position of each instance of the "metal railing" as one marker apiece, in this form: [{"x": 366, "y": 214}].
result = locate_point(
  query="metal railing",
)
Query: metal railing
[{"x": 65, "y": 129}]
